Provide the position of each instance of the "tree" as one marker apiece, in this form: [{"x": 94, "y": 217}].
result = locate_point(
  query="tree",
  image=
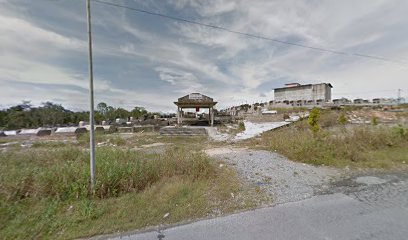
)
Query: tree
[
  {"x": 102, "y": 108},
  {"x": 137, "y": 112},
  {"x": 121, "y": 113},
  {"x": 52, "y": 114},
  {"x": 3, "y": 119}
]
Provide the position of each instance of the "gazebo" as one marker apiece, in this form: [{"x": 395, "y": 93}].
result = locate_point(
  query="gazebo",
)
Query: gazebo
[{"x": 197, "y": 101}]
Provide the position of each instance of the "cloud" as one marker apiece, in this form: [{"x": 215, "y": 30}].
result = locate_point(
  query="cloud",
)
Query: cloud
[
  {"x": 26, "y": 33},
  {"x": 151, "y": 61},
  {"x": 183, "y": 81}
]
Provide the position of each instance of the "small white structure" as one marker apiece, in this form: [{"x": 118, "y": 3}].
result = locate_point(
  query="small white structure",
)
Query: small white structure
[
  {"x": 70, "y": 130},
  {"x": 292, "y": 119},
  {"x": 120, "y": 121},
  {"x": 28, "y": 132},
  {"x": 35, "y": 132},
  {"x": 109, "y": 128},
  {"x": 82, "y": 123},
  {"x": 97, "y": 128},
  {"x": 269, "y": 112},
  {"x": 11, "y": 133}
]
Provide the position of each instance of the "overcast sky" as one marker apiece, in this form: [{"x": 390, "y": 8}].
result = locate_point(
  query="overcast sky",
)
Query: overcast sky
[{"x": 144, "y": 60}]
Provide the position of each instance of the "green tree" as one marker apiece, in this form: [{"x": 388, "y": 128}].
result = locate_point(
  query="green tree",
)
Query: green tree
[
  {"x": 137, "y": 112},
  {"x": 3, "y": 118},
  {"x": 102, "y": 108},
  {"x": 121, "y": 113},
  {"x": 313, "y": 120}
]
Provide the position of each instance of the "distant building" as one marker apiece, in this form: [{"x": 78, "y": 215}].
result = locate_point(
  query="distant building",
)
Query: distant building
[
  {"x": 341, "y": 101},
  {"x": 361, "y": 101},
  {"x": 296, "y": 94},
  {"x": 385, "y": 101}
]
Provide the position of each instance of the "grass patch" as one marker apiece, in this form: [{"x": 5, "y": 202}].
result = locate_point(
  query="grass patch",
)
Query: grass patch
[
  {"x": 44, "y": 193},
  {"x": 50, "y": 144},
  {"x": 112, "y": 139},
  {"x": 354, "y": 146}
]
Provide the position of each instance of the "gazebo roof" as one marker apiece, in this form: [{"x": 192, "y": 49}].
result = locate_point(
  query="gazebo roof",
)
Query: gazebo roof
[{"x": 194, "y": 100}]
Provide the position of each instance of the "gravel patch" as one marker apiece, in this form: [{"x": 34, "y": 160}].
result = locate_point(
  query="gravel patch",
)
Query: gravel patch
[
  {"x": 284, "y": 180},
  {"x": 369, "y": 180}
]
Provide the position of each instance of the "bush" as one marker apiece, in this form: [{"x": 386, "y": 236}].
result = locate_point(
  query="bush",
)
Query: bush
[
  {"x": 374, "y": 120},
  {"x": 342, "y": 119},
  {"x": 340, "y": 147}
]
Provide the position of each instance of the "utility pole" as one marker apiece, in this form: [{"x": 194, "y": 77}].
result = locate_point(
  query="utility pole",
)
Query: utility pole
[
  {"x": 399, "y": 97},
  {"x": 91, "y": 98}
]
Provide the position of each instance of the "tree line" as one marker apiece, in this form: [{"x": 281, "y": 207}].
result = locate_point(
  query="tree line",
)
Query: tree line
[{"x": 50, "y": 114}]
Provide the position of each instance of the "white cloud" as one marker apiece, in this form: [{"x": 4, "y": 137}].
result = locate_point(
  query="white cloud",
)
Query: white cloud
[
  {"x": 20, "y": 32},
  {"x": 231, "y": 68},
  {"x": 183, "y": 81}
]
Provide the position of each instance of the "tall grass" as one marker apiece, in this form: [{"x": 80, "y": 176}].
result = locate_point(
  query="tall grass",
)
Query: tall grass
[
  {"x": 352, "y": 146},
  {"x": 64, "y": 173},
  {"x": 44, "y": 191}
]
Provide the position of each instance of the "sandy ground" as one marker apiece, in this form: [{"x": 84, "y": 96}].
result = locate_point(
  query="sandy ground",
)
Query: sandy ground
[{"x": 284, "y": 180}]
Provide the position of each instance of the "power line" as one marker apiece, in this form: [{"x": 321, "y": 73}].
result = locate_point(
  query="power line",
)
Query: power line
[{"x": 179, "y": 19}]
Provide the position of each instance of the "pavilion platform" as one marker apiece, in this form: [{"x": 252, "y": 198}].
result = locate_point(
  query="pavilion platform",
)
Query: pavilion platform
[{"x": 184, "y": 131}]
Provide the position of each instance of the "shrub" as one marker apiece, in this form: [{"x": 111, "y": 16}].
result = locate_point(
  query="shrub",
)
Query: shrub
[
  {"x": 374, "y": 120},
  {"x": 342, "y": 119},
  {"x": 241, "y": 126},
  {"x": 313, "y": 120},
  {"x": 401, "y": 131}
]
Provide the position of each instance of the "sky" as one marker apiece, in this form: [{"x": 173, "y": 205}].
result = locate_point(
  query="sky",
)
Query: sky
[{"x": 149, "y": 61}]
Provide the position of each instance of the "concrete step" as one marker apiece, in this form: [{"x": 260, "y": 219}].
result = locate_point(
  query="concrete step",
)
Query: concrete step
[{"x": 183, "y": 131}]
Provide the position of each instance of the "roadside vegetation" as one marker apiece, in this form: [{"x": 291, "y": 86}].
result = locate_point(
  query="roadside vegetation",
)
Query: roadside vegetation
[
  {"x": 44, "y": 190},
  {"x": 325, "y": 138}
]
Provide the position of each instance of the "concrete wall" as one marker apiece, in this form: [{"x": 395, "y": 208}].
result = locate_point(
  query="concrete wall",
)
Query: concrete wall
[
  {"x": 309, "y": 92},
  {"x": 293, "y": 93}
]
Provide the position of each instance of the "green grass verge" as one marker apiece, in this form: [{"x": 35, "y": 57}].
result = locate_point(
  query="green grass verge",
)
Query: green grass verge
[{"x": 44, "y": 192}]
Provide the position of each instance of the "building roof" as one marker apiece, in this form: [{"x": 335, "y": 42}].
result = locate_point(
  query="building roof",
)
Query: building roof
[{"x": 194, "y": 100}]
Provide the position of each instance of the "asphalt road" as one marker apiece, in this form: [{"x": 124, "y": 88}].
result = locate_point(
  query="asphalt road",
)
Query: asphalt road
[{"x": 372, "y": 207}]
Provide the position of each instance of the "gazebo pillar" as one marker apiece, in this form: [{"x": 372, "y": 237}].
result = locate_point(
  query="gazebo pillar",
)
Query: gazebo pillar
[
  {"x": 178, "y": 116},
  {"x": 212, "y": 116}
]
